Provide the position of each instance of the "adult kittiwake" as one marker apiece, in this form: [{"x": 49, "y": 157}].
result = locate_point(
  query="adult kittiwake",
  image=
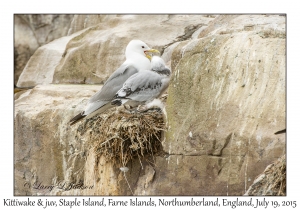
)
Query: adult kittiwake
[
  {"x": 137, "y": 60},
  {"x": 144, "y": 86}
]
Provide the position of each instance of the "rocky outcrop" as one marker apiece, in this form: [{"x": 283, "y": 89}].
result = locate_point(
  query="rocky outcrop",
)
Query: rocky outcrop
[
  {"x": 225, "y": 101},
  {"x": 45, "y": 147},
  {"x": 33, "y": 31}
]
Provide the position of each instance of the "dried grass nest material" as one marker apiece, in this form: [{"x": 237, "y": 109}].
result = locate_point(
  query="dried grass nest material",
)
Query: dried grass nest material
[
  {"x": 122, "y": 136},
  {"x": 272, "y": 181}
]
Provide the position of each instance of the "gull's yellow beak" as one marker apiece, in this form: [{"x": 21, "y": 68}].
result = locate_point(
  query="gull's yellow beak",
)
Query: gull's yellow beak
[{"x": 149, "y": 53}]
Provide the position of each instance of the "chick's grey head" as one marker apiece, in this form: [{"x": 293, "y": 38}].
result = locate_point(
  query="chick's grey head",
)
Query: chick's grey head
[{"x": 157, "y": 63}]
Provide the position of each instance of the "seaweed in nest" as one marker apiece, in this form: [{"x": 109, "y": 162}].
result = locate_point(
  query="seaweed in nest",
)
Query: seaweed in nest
[{"x": 124, "y": 136}]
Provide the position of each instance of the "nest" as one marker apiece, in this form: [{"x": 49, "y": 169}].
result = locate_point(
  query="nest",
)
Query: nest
[
  {"x": 121, "y": 137},
  {"x": 272, "y": 181}
]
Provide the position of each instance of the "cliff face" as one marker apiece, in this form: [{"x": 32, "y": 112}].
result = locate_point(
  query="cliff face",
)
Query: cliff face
[{"x": 225, "y": 101}]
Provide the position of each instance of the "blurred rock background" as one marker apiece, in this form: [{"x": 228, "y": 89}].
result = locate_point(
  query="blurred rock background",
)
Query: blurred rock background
[{"x": 34, "y": 31}]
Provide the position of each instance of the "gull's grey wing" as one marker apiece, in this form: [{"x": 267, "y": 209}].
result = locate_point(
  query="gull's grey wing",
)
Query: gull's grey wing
[
  {"x": 114, "y": 83},
  {"x": 143, "y": 86},
  {"x": 110, "y": 88}
]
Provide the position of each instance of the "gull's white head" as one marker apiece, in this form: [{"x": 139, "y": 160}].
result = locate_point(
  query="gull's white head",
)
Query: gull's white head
[{"x": 139, "y": 47}]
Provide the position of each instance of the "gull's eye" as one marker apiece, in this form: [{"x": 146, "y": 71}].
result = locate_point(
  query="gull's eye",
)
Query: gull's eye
[{"x": 143, "y": 47}]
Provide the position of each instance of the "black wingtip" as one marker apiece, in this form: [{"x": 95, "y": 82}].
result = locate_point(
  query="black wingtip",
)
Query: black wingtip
[
  {"x": 77, "y": 118},
  {"x": 116, "y": 102},
  {"x": 279, "y": 132}
]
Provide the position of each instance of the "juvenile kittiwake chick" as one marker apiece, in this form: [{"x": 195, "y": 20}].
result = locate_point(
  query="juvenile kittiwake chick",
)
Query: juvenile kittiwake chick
[
  {"x": 144, "y": 86},
  {"x": 137, "y": 60}
]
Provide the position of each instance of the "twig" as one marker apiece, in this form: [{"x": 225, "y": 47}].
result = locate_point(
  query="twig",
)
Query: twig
[
  {"x": 140, "y": 161},
  {"x": 128, "y": 183},
  {"x": 111, "y": 139}
]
